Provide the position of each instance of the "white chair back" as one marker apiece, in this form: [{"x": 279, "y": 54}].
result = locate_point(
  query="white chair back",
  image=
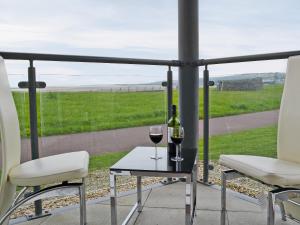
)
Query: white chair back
[
  {"x": 288, "y": 140},
  {"x": 10, "y": 139}
]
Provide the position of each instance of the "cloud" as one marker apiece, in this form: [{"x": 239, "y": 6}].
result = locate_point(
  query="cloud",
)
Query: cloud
[
  {"x": 222, "y": 41},
  {"x": 147, "y": 29},
  {"x": 102, "y": 39}
]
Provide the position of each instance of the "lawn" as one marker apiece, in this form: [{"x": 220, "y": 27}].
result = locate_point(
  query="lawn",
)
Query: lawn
[
  {"x": 239, "y": 102},
  {"x": 259, "y": 141},
  {"x": 106, "y": 160},
  {"x": 65, "y": 112}
]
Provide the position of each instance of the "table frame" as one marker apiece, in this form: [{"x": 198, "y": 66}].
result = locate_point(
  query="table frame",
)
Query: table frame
[{"x": 190, "y": 192}]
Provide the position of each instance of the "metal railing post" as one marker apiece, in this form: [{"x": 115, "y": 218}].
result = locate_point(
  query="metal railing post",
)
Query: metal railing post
[
  {"x": 170, "y": 91},
  {"x": 205, "y": 124},
  {"x": 206, "y": 84},
  {"x": 169, "y": 88},
  {"x": 170, "y": 101},
  {"x": 34, "y": 127}
]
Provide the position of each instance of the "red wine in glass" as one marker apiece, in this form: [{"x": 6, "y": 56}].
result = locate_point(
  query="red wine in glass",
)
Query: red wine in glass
[
  {"x": 177, "y": 140},
  {"x": 156, "y": 135},
  {"x": 156, "y": 138},
  {"x": 177, "y": 135}
]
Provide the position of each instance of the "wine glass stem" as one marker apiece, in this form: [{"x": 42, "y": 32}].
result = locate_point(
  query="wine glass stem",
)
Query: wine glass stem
[
  {"x": 155, "y": 152},
  {"x": 177, "y": 151}
]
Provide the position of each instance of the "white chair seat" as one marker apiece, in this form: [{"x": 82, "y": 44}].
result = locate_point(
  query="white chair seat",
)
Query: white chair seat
[
  {"x": 52, "y": 169},
  {"x": 268, "y": 170}
]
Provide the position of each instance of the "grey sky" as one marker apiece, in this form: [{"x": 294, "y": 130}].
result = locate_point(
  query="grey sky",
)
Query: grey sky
[{"x": 146, "y": 29}]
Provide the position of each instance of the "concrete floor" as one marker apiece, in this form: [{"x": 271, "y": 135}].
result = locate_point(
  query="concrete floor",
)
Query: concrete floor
[{"x": 165, "y": 206}]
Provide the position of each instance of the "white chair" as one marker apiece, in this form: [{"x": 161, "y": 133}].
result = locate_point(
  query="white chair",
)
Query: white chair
[
  {"x": 44, "y": 171},
  {"x": 282, "y": 173}
]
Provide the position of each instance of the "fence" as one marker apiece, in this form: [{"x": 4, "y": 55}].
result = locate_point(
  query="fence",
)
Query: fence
[{"x": 32, "y": 85}]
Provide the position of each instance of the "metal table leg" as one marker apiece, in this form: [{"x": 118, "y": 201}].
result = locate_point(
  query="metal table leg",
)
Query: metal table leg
[
  {"x": 139, "y": 192},
  {"x": 113, "y": 199},
  {"x": 194, "y": 181},
  {"x": 223, "y": 199},
  {"x": 188, "y": 200},
  {"x": 190, "y": 196},
  {"x": 82, "y": 199},
  {"x": 271, "y": 212}
]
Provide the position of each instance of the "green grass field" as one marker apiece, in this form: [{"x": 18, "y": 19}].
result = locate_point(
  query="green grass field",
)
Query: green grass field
[
  {"x": 104, "y": 161},
  {"x": 65, "y": 112},
  {"x": 239, "y": 102},
  {"x": 259, "y": 141}
]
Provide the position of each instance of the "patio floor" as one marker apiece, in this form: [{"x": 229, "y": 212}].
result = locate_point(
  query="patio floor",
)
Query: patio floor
[{"x": 164, "y": 205}]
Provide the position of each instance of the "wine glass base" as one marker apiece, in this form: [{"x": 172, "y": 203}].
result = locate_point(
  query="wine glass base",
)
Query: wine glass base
[
  {"x": 177, "y": 159},
  {"x": 156, "y": 157}
]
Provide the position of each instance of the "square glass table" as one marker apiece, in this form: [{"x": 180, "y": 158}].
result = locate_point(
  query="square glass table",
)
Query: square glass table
[{"x": 138, "y": 163}]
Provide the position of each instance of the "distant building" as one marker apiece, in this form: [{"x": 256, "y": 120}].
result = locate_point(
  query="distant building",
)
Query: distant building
[
  {"x": 277, "y": 78},
  {"x": 241, "y": 85}
]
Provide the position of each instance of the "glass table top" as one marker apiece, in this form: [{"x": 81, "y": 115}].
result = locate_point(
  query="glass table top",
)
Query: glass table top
[{"x": 139, "y": 160}]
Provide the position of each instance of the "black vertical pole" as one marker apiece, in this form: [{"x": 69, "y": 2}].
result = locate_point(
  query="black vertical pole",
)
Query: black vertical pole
[
  {"x": 188, "y": 51},
  {"x": 33, "y": 126},
  {"x": 170, "y": 91},
  {"x": 170, "y": 100},
  {"x": 205, "y": 124}
]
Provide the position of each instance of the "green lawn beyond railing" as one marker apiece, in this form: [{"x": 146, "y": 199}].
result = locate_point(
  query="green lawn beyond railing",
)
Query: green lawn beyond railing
[
  {"x": 76, "y": 112},
  {"x": 258, "y": 141}
]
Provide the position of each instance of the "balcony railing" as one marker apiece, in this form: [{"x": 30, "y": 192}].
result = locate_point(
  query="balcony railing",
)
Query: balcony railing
[{"x": 32, "y": 85}]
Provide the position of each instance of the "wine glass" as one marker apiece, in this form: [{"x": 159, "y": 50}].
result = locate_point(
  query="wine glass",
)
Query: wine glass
[
  {"x": 177, "y": 135},
  {"x": 156, "y": 135}
]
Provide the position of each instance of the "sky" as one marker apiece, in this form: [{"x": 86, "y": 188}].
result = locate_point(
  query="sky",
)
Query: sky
[{"x": 146, "y": 29}]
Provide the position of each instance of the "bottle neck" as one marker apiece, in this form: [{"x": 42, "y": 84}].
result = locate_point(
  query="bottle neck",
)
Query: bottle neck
[
  {"x": 174, "y": 115},
  {"x": 174, "y": 111}
]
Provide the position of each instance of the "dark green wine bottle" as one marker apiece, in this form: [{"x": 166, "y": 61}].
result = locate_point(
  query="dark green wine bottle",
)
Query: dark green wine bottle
[{"x": 174, "y": 122}]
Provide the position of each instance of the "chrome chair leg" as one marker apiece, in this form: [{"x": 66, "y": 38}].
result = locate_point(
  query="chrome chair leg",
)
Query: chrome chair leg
[
  {"x": 20, "y": 195},
  {"x": 223, "y": 198},
  {"x": 282, "y": 211},
  {"x": 280, "y": 195},
  {"x": 34, "y": 196},
  {"x": 113, "y": 199},
  {"x": 139, "y": 193},
  {"x": 82, "y": 203},
  {"x": 188, "y": 200},
  {"x": 271, "y": 212}
]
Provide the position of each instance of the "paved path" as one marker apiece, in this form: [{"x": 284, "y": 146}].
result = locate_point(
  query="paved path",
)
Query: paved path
[{"x": 127, "y": 138}]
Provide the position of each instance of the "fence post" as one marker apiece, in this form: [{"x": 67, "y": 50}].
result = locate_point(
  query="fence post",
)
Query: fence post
[
  {"x": 32, "y": 85},
  {"x": 169, "y": 92},
  {"x": 33, "y": 127},
  {"x": 169, "y": 100},
  {"x": 206, "y": 84},
  {"x": 205, "y": 124}
]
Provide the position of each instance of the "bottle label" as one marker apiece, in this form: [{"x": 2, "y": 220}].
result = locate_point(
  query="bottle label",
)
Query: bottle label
[
  {"x": 171, "y": 145},
  {"x": 169, "y": 135}
]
